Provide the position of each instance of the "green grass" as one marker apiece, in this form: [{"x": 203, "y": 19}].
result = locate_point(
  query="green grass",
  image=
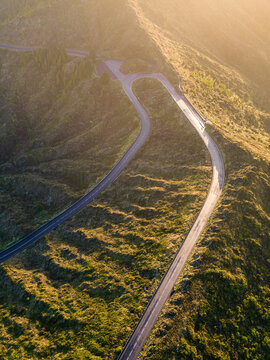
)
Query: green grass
[
  {"x": 50, "y": 153},
  {"x": 223, "y": 312},
  {"x": 79, "y": 292}
]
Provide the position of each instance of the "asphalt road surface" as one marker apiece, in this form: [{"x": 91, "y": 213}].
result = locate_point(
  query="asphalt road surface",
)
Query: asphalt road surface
[
  {"x": 148, "y": 319},
  {"x": 93, "y": 193}
]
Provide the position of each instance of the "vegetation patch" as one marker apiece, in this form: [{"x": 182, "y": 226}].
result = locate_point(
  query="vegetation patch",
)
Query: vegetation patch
[{"x": 79, "y": 292}]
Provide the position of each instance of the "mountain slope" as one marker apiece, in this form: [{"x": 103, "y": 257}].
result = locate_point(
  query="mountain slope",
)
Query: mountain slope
[
  {"x": 234, "y": 33},
  {"x": 231, "y": 99},
  {"x": 79, "y": 293}
]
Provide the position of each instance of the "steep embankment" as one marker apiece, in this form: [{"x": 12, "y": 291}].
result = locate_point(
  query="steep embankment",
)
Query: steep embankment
[
  {"x": 79, "y": 292},
  {"x": 236, "y": 101},
  {"x": 220, "y": 307},
  {"x": 236, "y": 33},
  {"x": 55, "y": 115},
  {"x": 224, "y": 295},
  {"x": 69, "y": 297},
  {"x": 75, "y": 283}
]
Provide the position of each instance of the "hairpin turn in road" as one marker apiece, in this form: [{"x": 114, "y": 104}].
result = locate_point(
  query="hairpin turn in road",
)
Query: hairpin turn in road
[{"x": 139, "y": 336}]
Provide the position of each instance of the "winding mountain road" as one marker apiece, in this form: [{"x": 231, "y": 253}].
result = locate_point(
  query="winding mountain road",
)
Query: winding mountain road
[
  {"x": 95, "y": 191},
  {"x": 148, "y": 319}
]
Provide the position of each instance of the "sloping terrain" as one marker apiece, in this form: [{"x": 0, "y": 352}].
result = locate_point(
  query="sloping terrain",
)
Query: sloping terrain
[
  {"x": 55, "y": 115},
  {"x": 236, "y": 101},
  {"x": 220, "y": 309},
  {"x": 79, "y": 293},
  {"x": 236, "y": 33}
]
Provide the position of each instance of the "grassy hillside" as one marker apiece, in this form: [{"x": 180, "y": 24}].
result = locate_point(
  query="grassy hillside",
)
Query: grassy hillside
[
  {"x": 55, "y": 114},
  {"x": 234, "y": 100},
  {"x": 236, "y": 33},
  {"x": 79, "y": 292},
  {"x": 220, "y": 307}
]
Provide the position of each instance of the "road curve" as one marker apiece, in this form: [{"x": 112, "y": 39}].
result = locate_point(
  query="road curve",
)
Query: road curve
[
  {"x": 95, "y": 191},
  {"x": 149, "y": 317}
]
